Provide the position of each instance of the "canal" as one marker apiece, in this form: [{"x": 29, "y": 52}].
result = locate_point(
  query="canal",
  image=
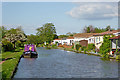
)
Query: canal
[{"x": 56, "y": 63}]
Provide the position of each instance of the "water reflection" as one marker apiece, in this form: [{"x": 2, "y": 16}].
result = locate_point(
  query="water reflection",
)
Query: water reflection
[{"x": 55, "y": 63}]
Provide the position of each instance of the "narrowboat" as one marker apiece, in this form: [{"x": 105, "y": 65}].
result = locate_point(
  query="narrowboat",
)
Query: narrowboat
[{"x": 30, "y": 51}]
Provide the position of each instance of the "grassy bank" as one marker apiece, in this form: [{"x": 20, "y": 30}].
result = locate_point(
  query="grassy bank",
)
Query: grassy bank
[{"x": 11, "y": 60}]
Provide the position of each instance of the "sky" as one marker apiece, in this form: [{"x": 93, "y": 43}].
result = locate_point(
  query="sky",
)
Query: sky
[{"x": 66, "y": 16}]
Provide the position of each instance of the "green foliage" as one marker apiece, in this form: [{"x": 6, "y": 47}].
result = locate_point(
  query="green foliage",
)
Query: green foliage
[
  {"x": 72, "y": 47},
  {"x": 85, "y": 50},
  {"x": 7, "y": 46},
  {"x": 78, "y": 46},
  {"x": 105, "y": 47},
  {"x": 18, "y": 44},
  {"x": 62, "y": 36},
  {"x": 47, "y": 32},
  {"x": 83, "y": 47},
  {"x": 14, "y": 35},
  {"x": 34, "y": 39},
  {"x": 91, "y": 46},
  {"x": 91, "y": 29},
  {"x": 9, "y": 65},
  {"x": 54, "y": 46}
]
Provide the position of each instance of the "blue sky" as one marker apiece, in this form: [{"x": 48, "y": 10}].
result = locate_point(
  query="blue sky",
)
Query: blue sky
[{"x": 66, "y": 16}]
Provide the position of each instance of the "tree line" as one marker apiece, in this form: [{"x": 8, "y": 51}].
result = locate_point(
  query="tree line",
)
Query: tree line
[{"x": 15, "y": 38}]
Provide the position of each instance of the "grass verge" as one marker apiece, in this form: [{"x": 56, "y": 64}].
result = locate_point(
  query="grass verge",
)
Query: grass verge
[{"x": 8, "y": 67}]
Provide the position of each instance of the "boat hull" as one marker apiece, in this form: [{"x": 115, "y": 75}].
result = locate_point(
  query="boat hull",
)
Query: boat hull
[{"x": 29, "y": 54}]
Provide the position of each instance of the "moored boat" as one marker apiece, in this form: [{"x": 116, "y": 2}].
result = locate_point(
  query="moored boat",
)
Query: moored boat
[{"x": 30, "y": 51}]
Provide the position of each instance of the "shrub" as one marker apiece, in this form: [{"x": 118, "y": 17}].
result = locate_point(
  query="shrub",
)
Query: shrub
[
  {"x": 54, "y": 46},
  {"x": 18, "y": 44},
  {"x": 83, "y": 47},
  {"x": 7, "y": 46},
  {"x": 91, "y": 46},
  {"x": 105, "y": 47},
  {"x": 72, "y": 47},
  {"x": 85, "y": 50},
  {"x": 78, "y": 46}
]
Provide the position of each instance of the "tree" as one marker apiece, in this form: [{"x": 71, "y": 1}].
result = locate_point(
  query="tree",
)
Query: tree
[
  {"x": 13, "y": 35},
  {"x": 98, "y": 30},
  {"x": 47, "y": 32},
  {"x": 89, "y": 29},
  {"x": 108, "y": 28},
  {"x": 34, "y": 39},
  {"x": 62, "y": 36}
]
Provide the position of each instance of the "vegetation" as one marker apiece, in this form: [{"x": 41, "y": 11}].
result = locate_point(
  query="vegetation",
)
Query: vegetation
[
  {"x": 91, "y": 29},
  {"x": 47, "y": 32},
  {"x": 83, "y": 48},
  {"x": 105, "y": 47},
  {"x": 78, "y": 46},
  {"x": 91, "y": 46},
  {"x": 9, "y": 65},
  {"x": 13, "y": 35},
  {"x": 7, "y": 45}
]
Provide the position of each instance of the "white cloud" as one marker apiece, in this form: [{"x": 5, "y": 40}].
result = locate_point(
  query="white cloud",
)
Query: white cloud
[{"x": 93, "y": 11}]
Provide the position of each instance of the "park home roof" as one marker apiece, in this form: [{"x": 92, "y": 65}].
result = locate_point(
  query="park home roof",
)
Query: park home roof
[
  {"x": 57, "y": 39},
  {"x": 70, "y": 37},
  {"x": 116, "y": 37},
  {"x": 84, "y": 35},
  {"x": 107, "y": 33}
]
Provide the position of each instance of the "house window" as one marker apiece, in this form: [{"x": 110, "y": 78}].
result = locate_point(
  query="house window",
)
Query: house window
[
  {"x": 70, "y": 41},
  {"x": 99, "y": 38},
  {"x": 96, "y": 39},
  {"x": 90, "y": 40}
]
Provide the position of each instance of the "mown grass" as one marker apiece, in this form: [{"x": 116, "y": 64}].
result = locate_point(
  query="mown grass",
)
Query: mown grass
[{"x": 10, "y": 64}]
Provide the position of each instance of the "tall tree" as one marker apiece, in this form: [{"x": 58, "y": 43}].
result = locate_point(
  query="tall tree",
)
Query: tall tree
[{"x": 47, "y": 32}]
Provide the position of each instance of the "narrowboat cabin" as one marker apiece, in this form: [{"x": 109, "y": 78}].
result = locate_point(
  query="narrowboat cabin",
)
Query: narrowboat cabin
[{"x": 30, "y": 51}]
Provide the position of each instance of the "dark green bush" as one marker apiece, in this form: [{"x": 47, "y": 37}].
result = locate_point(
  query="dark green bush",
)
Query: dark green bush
[
  {"x": 7, "y": 46},
  {"x": 83, "y": 47},
  {"x": 54, "y": 46},
  {"x": 105, "y": 47},
  {"x": 18, "y": 44},
  {"x": 91, "y": 46},
  {"x": 73, "y": 47},
  {"x": 78, "y": 46}
]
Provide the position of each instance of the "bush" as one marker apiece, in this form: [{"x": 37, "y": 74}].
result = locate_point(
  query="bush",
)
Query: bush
[
  {"x": 72, "y": 47},
  {"x": 7, "y": 46},
  {"x": 85, "y": 50},
  {"x": 83, "y": 47},
  {"x": 18, "y": 44},
  {"x": 78, "y": 46},
  {"x": 54, "y": 46},
  {"x": 91, "y": 46},
  {"x": 105, "y": 47}
]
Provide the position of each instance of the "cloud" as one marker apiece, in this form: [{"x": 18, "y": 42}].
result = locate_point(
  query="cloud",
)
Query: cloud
[{"x": 94, "y": 11}]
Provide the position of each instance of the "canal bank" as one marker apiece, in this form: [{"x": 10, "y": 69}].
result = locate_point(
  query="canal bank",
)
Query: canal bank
[
  {"x": 9, "y": 66},
  {"x": 56, "y": 63},
  {"x": 91, "y": 53}
]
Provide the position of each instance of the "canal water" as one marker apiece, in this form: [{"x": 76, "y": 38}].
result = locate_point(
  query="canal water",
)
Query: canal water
[{"x": 56, "y": 63}]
